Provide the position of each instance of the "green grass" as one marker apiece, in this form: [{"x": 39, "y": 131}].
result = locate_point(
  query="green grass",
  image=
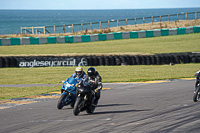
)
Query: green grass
[
  {"x": 166, "y": 44},
  {"x": 53, "y": 75},
  {"x": 16, "y": 92}
]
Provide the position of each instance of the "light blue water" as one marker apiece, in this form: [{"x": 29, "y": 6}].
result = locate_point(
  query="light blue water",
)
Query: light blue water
[{"x": 12, "y": 20}]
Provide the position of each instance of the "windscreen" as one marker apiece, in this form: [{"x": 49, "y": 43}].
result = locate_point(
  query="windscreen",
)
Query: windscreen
[{"x": 72, "y": 81}]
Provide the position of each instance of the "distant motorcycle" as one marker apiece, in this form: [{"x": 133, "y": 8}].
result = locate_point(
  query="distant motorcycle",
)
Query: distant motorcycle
[
  {"x": 84, "y": 100},
  {"x": 68, "y": 93},
  {"x": 197, "y": 87}
]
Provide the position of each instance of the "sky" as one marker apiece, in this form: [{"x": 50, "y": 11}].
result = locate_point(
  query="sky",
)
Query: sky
[{"x": 96, "y": 4}]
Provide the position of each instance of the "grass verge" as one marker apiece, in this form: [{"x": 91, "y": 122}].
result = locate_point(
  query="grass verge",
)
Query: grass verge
[
  {"x": 53, "y": 75},
  {"x": 16, "y": 92},
  {"x": 166, "y": 44}
]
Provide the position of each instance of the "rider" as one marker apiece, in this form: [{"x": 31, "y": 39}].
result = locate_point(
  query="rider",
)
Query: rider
[
  {"x": 94, "y": 80},
  {"x": 197, "y": 78},
  {"x": 79, "y": 73}
]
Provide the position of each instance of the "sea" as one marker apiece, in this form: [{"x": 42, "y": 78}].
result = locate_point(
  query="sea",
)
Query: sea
[{"x": 12, "y": 20}]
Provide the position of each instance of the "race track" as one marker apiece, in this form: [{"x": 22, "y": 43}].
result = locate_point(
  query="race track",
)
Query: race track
[{"x": 135, "y": 107}]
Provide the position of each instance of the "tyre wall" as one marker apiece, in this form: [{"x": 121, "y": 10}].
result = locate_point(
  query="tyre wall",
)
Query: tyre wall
[
  {"x": 98, "y": 37},
  {"x": 115, "y": 60}
]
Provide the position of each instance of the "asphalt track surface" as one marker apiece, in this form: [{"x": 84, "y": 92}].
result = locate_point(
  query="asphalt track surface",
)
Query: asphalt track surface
[{"x": 125, "y": 108}]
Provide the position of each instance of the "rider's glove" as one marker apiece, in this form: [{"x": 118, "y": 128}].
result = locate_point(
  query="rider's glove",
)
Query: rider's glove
[
  {"x": 100, "y": 85},
  {"x": 96, "y": 90}
]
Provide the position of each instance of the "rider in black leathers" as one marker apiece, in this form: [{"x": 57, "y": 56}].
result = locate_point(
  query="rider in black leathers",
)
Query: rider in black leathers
[
  {"x": 197, "y": 78},
  {"x": 94, "y": 80}
]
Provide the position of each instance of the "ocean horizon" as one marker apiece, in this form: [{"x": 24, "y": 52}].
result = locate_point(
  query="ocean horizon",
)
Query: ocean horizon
[{"x": 12, "y": 19}]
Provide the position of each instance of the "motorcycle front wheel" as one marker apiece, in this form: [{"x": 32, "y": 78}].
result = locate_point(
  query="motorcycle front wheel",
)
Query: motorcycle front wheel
[
  {"x": 91, "y": 109},
  {"x": 76, "y": 109},
  {"x": 61, "y": 101},
  {"x": 196, "y": 94}
]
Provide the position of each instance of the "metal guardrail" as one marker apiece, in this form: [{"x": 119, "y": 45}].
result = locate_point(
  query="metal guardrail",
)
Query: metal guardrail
[{"x": 43, "y": 29}]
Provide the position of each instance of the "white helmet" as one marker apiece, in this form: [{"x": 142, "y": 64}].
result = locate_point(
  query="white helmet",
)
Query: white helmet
[{"x": 79, "y": 71}]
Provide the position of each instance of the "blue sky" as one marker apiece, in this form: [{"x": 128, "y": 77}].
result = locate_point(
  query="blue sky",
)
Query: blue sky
[{"x": 96, "y": 4}]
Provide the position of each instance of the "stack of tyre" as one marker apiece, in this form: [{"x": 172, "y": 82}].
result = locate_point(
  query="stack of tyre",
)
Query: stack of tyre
[
  {"x": 158, "y": 59},
  {"x": 8, "y": 61},
  {"x": 114, "y": 60}
]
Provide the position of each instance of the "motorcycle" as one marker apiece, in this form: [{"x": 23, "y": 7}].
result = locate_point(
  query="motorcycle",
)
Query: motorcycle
[
  {"x": 196, "y": 95},
  {"x": 68, "y": 93},
  {"x": 84, "y": 100}
]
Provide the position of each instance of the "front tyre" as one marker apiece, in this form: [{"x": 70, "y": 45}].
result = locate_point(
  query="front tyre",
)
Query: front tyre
[
  {"x": 61, "y": 101},
  {"x": 76, "y": 109},
  {"x": 196, "y": 94}
]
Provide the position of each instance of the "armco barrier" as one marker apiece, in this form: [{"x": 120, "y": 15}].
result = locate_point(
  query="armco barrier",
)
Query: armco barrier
[
  {"x": 99, "y": 37},
  {"x": 34, "y": 40},
  {"x": 69, "y": 39},
  {"x": 46, "y": 61}
]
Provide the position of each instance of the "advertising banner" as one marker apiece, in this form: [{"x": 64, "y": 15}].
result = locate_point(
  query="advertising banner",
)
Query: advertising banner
[{"x": 51, "y": 62}]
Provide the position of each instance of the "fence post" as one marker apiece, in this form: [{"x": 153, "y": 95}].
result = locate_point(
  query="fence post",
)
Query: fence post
[
  {"x": 21, "y": 30},
  {"x": 32, "y": 30},
  {"x": 160, "y": 22},
  {"x": 25, "y": 30},
  {"x": 185, "y": 16},
  {"x": 91, "y": 26},
  {"x": 177, "y": 17},
  {"x": 54, "y": 28},
  {"x": 152, "y": 19},
  {"x": 135, "y": 21},
  {"x": 108, "y": 24},
  {"x": 143, "y": 20},
  {"x": 195, "y": 15},
  {"x": 44, "y": 30},
  {"x": 81, "y": 27},
  {"x": 63, "y": 28},
  {"x": 117, "y": 23},
  {"x": 100, "y": 25},
  {"x": 160, "y": 19},
  {"x": 126, "y": 22},
  {"x": 169, "y": 18},
  {"x": 72, "y": 28}
]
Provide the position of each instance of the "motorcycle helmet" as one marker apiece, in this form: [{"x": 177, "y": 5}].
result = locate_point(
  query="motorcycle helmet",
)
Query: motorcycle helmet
[
  {"x": 79, "y": 71},
  {"x": 91, "y": 71}
]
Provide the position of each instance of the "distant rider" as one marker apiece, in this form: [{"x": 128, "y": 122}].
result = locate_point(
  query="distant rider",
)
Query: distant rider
[
  {"x": 94, "y": 80},
  {"x": 79, "y": 74},
  {"x": 197, "y": 78}
]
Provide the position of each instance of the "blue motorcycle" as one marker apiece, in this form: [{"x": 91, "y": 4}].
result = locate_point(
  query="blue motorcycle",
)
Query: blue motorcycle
[{"x": 68, "y": 93}]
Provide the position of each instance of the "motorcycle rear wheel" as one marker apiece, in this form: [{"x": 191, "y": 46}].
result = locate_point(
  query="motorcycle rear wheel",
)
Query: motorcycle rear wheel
[
  {"x": 196, "y": 94},
  {"x": 61, "y": 102},
  {"x": 76, "y": 109},
  {"x": 72, "y": 105}
]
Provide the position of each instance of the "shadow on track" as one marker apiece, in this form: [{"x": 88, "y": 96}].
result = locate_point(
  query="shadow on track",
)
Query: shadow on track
[
  {"x": 120, "y": 111},
  {"x": 107, "y": 105}
]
